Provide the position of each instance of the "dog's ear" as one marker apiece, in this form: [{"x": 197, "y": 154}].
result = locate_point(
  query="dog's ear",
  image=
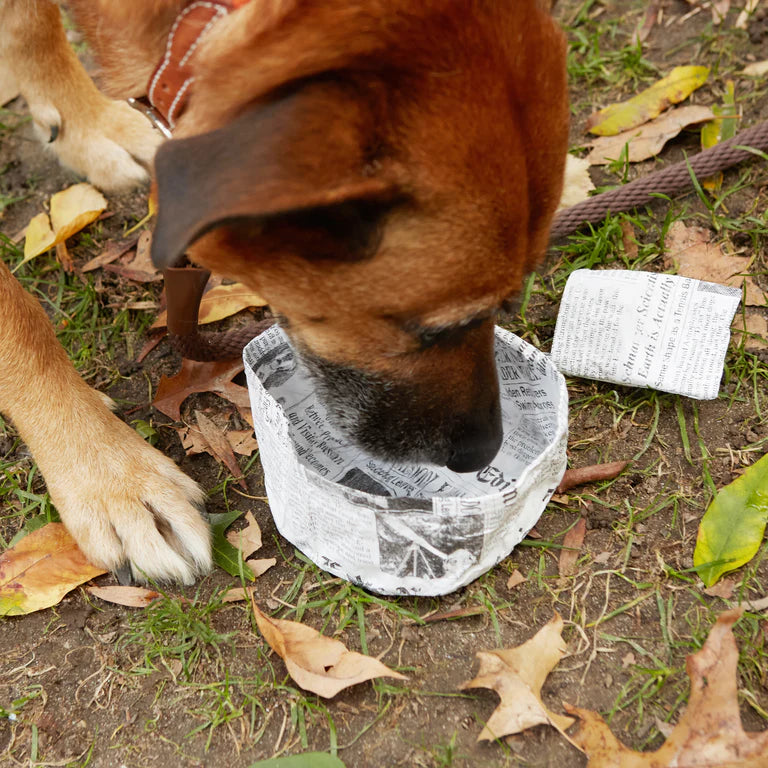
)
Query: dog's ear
[{"x": 301, "y": 153}]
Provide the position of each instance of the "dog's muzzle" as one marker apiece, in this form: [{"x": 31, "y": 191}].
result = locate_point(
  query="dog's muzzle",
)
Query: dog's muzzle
[{"x": 394, "y": 421}]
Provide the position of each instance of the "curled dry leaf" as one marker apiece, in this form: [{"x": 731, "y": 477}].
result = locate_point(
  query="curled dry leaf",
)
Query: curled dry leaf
[
  {"x": 41, "y": 569},
  {"x": 591, "y": 474},
  {"x": 517, "y": 675},
  {"x": 708, "y": 734},
  {"x": 247, "y": 540},
  {"x": 317, "y": 663},
  {"x": 691, "y": 249},
  {"x": 71, "y": 210},
  {"x": 132, "y": 597},
  {"x": 648, "y": 140}
]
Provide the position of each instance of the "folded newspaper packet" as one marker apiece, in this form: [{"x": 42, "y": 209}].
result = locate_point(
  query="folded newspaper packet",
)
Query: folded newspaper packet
[
  {"x": 645, "y": 329},
  {"x": 404, "y": 529}
]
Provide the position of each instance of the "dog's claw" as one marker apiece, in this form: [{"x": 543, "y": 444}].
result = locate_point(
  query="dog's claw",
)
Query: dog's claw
[
  {"x": 123, "y": 574},
  {"x": 54, "y": 133}
]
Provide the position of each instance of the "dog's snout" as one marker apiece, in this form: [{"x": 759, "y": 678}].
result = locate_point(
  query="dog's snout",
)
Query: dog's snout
[{"x": 476, "y": 441}]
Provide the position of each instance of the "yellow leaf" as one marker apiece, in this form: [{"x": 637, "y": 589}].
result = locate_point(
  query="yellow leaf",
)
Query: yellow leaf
[
  {"x": 41, "y": 569},
  {"x": 39, "y": 237},
  {"x": 650, "y": 103},
  {"x": 71, "y": 210},
  {"x": 75, "y": 208}
]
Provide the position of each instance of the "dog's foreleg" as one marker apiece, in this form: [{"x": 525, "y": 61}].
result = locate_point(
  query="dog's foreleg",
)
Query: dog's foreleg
[
  {"x": 122, "y": 500},
  {"x": 104, "y": 140}
]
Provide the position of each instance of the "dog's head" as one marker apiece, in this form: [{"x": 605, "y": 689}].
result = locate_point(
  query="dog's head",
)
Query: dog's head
[{"x": 384, "y": 173}]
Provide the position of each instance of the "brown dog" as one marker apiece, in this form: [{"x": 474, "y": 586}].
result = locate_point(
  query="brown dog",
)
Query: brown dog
[{"x": 384, "y": 172}]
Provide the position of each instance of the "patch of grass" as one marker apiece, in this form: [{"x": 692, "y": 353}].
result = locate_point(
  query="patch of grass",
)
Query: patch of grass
[{"x": 179, "y": 630}]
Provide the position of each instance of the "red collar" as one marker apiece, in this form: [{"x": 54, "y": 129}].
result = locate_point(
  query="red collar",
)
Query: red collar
[{"x": 169, "y": 85}]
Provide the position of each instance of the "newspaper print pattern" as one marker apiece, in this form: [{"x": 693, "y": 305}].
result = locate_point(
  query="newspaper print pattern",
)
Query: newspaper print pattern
[
  {"x": 403, "y": 528},
  {"x": 645, "y": 329}
]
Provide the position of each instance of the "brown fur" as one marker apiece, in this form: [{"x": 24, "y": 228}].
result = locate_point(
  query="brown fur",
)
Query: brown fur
[{"x": 384, "y": 172}]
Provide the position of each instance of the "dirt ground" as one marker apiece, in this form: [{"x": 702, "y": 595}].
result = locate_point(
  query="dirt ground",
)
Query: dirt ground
[{"x": 100, "y": 685}]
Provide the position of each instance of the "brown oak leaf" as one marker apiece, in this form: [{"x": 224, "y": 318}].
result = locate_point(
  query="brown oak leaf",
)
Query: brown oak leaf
[
  {"x": 317, "y": 663},
  {"x": 517, "y": 675},
  {"x": 708, "y": 735},
  {"x": 202, "y": 377}
]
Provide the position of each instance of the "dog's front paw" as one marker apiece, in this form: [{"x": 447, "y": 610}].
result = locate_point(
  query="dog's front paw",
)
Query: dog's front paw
[
  {"x": 130, "y": 507},
  {"x": 108, "y": 142}
]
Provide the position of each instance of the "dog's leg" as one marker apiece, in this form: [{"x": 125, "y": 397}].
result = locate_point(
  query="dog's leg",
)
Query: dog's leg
[
  {"x": 105, "y": 140},
  {"x": 122, "y": 500}
]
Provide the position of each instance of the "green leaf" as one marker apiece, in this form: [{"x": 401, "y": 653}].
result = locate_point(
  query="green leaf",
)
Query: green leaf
[
  {"x": 650, "y": 103},
  {"x": 224, "y": 554},
  {"x": 309, "y": 760},
  {"x": 732, "y": 529}
]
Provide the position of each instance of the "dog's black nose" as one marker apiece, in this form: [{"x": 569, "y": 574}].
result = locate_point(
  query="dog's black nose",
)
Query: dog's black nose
[{"x": 476, "y": 442}]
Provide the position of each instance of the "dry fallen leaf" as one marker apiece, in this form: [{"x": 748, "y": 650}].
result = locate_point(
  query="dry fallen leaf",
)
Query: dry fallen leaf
[
  {"x": 220, "y": 447},
  {"x": 247, "y": 540},
  {"x": 591, "y": 474},
  {"x": 648, "y": 140},
  {"x": 243, "y": 441},
  {"x": 691, "y": 249},
  {"x": 708, "y": 735},
  {"x": 132, "y": 597},
  {"x": 317, "y": 663},
  {"x": 752, "y": 326},
  {"x": 113, "y": 250},
  {"x": 140, "y": 269},
  {"x": 41, "y": 569},
  {"x": 235, "y": 595},
  {"x": 72, "y": 209},
  {"x": 743, "y": 18},
  {"x": 578, "y": 183},
  {"x": 517, "y": 675},
  {"x": 724, "y": 588},
  {"x": 572, "y": 543},
  {"x": 260, "y": 567},
  {"x": 757, "y": 69},
  {"x": 515, "y": 579},
  {"x": 202, "y": 377}
]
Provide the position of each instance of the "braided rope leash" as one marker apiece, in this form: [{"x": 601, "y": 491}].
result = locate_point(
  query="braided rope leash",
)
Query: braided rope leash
[{"x": 665, "y": 182}]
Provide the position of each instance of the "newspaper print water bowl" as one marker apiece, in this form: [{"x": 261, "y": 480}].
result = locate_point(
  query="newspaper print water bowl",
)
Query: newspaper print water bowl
[{"x": 404, "y": 529}]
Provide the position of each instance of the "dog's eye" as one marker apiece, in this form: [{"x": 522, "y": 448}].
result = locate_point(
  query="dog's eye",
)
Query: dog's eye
[{"x": 447, "y": 335}]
